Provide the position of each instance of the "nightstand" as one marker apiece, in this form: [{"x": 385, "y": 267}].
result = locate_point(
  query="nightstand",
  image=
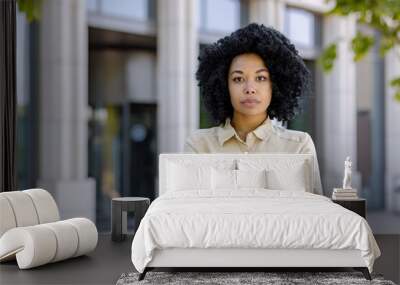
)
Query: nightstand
[
  {"x": 119, "y": 215},
  {"x": 358, "y": 206}
]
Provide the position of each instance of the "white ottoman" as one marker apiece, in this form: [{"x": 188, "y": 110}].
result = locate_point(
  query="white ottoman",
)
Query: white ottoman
[{"x": 31, "y": 232}]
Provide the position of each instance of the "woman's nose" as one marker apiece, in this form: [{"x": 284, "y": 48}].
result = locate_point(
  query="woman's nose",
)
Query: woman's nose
[{"x": 249, "y": 89}]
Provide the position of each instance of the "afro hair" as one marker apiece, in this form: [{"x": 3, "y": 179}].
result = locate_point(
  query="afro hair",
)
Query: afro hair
[{"x": 289, "y": 75}]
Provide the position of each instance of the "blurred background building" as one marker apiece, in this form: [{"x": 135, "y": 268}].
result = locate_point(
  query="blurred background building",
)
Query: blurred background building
[{"x": 104, "y": 86}]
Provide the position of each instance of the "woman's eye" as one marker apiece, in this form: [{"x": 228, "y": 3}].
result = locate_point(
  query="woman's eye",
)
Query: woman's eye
[
  {"x": 261, "y": 78},
  {"x": 237, "y": 79}
]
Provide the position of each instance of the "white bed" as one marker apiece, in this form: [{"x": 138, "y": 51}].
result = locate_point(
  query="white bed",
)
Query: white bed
[{"x": 199, "y": 223}]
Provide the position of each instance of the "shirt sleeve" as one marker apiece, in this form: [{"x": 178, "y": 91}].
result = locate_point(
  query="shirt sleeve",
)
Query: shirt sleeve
[
  {"x": 310, "y": 148},
  {"x": 189, "y": 146}
]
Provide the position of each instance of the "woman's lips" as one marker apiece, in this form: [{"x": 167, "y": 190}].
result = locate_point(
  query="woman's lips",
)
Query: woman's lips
[{"x": 249, "y": 102}]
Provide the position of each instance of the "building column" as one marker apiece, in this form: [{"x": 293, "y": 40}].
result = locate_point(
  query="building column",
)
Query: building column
[
  {"x": 339, "y": 114},
  {"x": 392, "y": 134},
  {"x": 63, "y": 108},
  {"x": 268, "y": 12},
  {"x": 177, "y": 51}
]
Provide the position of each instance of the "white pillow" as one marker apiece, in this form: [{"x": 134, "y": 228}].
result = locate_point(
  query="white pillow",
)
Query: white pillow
[
  {"x": 236, "y": 179},
  {"x": 282, "y": 174},
  {"x": 293, "y": 178},
  {"x": 188, "y": 177},
  {"x": 223, "y": 179},
  {"x": 251, "y": 178}
]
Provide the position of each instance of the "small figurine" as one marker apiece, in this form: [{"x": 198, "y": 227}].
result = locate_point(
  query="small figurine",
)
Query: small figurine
[{"x": 347, "y": 174}]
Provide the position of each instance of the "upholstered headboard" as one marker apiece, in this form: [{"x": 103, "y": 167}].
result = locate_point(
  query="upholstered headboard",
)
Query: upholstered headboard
[{"x": 276, "y": 162}]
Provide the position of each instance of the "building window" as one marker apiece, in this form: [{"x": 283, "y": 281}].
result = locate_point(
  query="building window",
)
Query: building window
[
  {"x": 137, "y": 9},
  {"x": 210, "y": 18},
  {"x": 122, "y": 127},
  {"x": 141, "y": 10},
  {"x": 91, "y": 5},
  {"x": 206, "y": 120},
  {"x": 306, "y": 120},
  {"x": 27, "y": 158},
  {"x": 301, "y": 27},
  {"x": 370, "y": 85}
]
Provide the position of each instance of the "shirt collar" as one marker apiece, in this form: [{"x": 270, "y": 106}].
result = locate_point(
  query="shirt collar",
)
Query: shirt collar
[{"x": 227, "y": 131}]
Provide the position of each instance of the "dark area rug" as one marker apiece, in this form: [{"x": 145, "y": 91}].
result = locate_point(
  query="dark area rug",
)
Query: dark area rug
[{"x": 228, "y": 278}]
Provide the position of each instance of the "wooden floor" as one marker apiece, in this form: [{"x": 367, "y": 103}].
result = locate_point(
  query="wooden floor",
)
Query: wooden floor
[{"x": 110, "y": 260}]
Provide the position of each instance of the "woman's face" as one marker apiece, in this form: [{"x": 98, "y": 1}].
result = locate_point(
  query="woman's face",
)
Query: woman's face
[{"x": 249, "y": 85}]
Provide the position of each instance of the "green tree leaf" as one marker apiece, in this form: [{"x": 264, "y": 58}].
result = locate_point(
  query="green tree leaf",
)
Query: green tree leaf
[
  {"x": 328, "y": 57},
  {"x": 382, "y": 16},
  {"x": 395, "y": 83},
  {"x": 360, "y": 45},
  {"x": 397, "y": 96},
  {"x": 31, "y": 8}
]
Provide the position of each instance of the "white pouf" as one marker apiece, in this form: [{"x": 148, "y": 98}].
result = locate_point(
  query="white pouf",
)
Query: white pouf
[{"x": 31, "y": 233}]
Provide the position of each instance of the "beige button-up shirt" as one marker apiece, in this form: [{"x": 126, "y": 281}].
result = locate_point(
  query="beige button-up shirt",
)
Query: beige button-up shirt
[{"x": 266, "y": 138}]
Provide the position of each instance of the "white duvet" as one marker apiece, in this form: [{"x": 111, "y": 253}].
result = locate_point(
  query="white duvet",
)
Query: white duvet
[{"x": 252, "y": 218}]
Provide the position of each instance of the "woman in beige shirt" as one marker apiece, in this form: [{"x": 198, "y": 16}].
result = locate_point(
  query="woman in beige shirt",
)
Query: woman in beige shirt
[{"x": 246, "y": 79}]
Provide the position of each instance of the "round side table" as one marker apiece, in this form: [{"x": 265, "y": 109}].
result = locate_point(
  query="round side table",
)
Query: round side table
[{"x": 119, "y": 215}]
